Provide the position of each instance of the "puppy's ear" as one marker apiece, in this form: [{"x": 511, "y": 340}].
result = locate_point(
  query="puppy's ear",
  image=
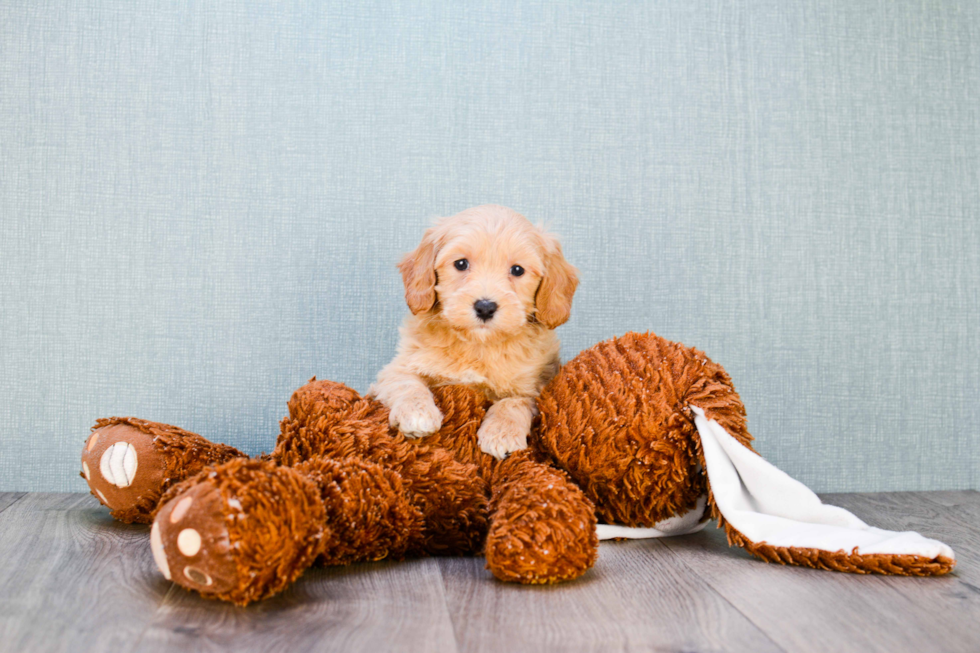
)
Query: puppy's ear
[
  {"x": 418, "y": 270},
  {"x": 554, "y": 297}
]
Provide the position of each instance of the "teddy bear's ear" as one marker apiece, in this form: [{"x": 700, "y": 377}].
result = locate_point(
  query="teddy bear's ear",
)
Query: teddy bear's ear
[
  {"x": 775, "y": 517},
  {"x": 418, "y": 270},
  {"x": 554, "y": 297}
]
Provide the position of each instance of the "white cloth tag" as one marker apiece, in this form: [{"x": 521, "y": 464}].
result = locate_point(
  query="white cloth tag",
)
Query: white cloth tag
[{"x": 689, "y": 522}]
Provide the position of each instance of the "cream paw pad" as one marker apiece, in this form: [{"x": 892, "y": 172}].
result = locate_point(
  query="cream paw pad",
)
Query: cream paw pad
[
  {"x": 190, "y": 541},
  {"x": 122, "y": 466},
  {"x": 129, "y": 463}
]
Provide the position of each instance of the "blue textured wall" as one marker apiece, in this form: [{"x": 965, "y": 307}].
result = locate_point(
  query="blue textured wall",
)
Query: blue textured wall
[{"x": 202, "y": 204}]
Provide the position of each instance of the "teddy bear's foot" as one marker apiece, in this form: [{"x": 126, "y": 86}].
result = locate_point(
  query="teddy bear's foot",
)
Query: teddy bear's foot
[
  {"x": 191, "y": 543},
  {"x": 245, "y": 530},
  {"x": 128, "y": 463},
  {"x": 543, "y": 528},
  {"x": 239, "y": 531}
]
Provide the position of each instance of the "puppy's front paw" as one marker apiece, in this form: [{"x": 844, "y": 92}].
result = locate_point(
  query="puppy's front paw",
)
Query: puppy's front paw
[
  {"x": 416, "y": 417},
  {"x": 499, "y": 437}
]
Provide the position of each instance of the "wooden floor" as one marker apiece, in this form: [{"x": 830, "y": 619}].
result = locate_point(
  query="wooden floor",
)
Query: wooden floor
[{"x": 72, "y": 579}]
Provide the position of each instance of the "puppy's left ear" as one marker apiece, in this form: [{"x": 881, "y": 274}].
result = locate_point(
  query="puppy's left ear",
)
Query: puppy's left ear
[
  {"x": 554, "y": 297},
  {"x": 418, "y": 270}
]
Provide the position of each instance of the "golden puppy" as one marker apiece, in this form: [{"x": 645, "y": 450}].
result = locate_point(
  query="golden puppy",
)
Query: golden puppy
[{"x": 486, "y": 288}]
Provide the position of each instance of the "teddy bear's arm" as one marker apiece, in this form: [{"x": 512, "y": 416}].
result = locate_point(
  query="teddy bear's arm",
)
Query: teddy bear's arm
[{"x": 542, "y": 527}]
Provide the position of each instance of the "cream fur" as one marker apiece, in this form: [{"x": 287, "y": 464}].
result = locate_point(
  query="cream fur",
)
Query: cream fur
[{"x": 510, "y": 357}]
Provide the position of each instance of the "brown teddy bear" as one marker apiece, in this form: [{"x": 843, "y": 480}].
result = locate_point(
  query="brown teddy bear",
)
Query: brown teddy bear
[{"x": 645, "y": 435}]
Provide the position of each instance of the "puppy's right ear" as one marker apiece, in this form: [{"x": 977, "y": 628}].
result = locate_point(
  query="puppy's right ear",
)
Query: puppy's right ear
[{"x": 418, "y": 270}]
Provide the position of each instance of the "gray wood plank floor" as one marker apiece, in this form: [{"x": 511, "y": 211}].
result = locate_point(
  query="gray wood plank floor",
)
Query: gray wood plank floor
[{"x": 72, "y": 579}]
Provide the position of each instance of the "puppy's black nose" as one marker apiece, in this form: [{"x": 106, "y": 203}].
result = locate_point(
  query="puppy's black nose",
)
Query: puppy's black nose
[{"x": 484, "y": 309}]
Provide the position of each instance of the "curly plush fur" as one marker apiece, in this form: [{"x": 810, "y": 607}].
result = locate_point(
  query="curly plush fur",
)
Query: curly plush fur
[{"x": 615, "y": 438}]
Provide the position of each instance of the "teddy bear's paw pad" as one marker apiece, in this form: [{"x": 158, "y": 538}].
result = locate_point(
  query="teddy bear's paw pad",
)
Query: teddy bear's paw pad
[
  {"x": 122, "y": 466},
  {"x": 191, "y": 544}
]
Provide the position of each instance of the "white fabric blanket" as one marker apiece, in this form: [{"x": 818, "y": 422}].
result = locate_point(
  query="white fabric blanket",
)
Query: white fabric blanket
[{"x": 766, "y": 505}]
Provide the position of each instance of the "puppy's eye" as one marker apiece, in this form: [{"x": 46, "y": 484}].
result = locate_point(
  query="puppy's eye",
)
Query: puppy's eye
[
  {"x": 461, "y": 264},
  {"x": 516, "y": 270}
]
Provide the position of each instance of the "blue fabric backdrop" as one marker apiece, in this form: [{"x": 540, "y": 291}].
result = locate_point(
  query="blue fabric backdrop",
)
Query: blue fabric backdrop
[{"x": 202, "y": 204}]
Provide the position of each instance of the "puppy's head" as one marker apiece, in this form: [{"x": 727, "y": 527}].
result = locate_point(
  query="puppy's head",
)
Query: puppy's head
[{"x": 489, "y": 272}]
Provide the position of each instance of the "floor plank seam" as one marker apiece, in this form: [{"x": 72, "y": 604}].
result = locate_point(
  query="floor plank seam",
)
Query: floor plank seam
[
  {"x": 668, "y": 546},
  {"x": 953, "y": 512},
  {"x": 49, "y": 567},
  {"x": 15, "y": 501},
  {"x": 962, "y": 520},
  {"x": 152, "y": 620},
  {"x": 445, "y": 601}
]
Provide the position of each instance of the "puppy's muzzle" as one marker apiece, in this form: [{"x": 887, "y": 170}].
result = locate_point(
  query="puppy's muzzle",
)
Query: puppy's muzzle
[{"x": 484, "y": 309}]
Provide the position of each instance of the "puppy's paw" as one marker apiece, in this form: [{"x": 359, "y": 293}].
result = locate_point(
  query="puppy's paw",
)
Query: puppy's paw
[
  {"x": 416, "y": 417},
  {"x": 499, "y": 437}
]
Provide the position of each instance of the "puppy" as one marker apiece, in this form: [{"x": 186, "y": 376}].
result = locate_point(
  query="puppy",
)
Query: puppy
[{"x": 486, "y": 288}]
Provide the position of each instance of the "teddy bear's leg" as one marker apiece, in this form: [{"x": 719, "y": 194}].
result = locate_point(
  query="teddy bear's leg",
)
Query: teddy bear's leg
[
  {"x": 244, "y": 530},
  {"x": 129, "y": 462},
  {"x": 331, "y": 420},
  {"x": 369, "y": 509},
  {"x": 542, "y": 527}
]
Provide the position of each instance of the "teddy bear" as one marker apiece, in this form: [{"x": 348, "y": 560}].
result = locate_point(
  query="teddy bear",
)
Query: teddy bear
[{"x": 635, "y": 437}]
